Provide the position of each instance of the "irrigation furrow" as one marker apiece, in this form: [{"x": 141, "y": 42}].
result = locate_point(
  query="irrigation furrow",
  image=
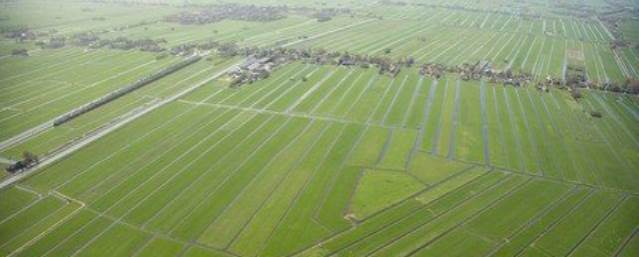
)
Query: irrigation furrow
[
  {"x": 522, "y": 65},
  {"x": 552, "y": 225},
  {"x": 599, "y": 222},
  {"x": 125, "y": 147},
  {"x": 465, "y": 220},
  {"x": 626, "y": 242},
  {"x": 213, "y": 165},
  {"x": 533, "y": 221},
  {"x": 502, "y": 140},
  {"x": 303, "y": 188},
  {"x": 391, "y": 223},
  {"x": 439, "y": 123},
  {"x": 342, "y": 98},
  {"x": 484, "y": 121},
  {"x": 175, "y": 160},
  {"x": 411, "y": 104},
  {"x": 379, "y": 103},
  {"x": 290, "y": 88},
  {"x": 265, "y": 87},
  {"x": 531, "y": 135},
  {"x": 561, "y": 138},
  {"x": 515, "y": 131},
  {"x": 455, "y": 121},
  {"x": 634, "y": 113},
  {"x": 256, "y": 175},
  {"x": 335, "y": 87},
  {"x": 277, "y": 87},
  {"x": 390, "y": 106},
  {"x": 278, "y": 184},
  {"x": 309, "y": 91},
  {"x": 616, "y": 118}
]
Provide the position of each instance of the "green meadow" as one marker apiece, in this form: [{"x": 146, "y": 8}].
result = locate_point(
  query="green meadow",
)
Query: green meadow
[{"x": 324, "y": 160}]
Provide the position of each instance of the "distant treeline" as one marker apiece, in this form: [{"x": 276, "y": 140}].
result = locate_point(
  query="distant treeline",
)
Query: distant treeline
[{"x": 215, "y": 13}]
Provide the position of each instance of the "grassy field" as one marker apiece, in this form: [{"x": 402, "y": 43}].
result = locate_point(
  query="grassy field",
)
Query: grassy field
[
  {"x": 325, "y": 160},
  {"x": 264, "y": 170}
]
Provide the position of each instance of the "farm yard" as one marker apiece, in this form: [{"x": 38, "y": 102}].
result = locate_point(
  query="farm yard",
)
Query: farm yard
[{"x": 326, "y": 154}]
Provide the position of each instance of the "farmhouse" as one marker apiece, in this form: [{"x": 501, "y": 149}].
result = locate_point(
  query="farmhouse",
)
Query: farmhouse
[{"x": 252, "y": 69}]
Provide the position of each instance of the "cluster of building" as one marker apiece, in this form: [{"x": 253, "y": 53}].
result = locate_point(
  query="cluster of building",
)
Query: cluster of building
[{"x": 253, "y": 69}]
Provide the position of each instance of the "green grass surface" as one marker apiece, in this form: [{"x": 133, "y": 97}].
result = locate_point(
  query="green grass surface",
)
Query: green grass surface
[{"x": 345, "y": 162}]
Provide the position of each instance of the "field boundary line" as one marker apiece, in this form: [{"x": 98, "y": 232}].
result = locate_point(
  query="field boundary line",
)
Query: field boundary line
[
  {"x": 502, "y": 139},
  {"x": 472, "y": 216},
  {"x": 148, "y": 163},
  {"x": 419, "y": 87},
  {"x": 174, "y": 175},
  {"x": 29, "y": 190},
  {"x": 387, "y": 141},
  {"x": 310, "y": 91},
  {"x": 124, "y": 147},
  {"x": 143, "y": 246},
  {"x": 291, "y": 73},
  {"x": 427, "y": 111},
  {"x": 562, "y": 140},
  {"x": 420, "y": 130},
  {"x": 378, "y": 104},
  {"x": 316, "y": 212},
  {"x": 78, "y": 90},
  {"x": 53, "y": 226},
  {"x": 37, "y": 68},
  {"x": 456, "y": 121},
  {"x": 298, "y": 83},
  {"x": 330, "y": 92},
  {"x": 213, "y": 165},
  {"x": 197, "y": 127},
  {"x": 296, "y": 164},
  {"x": 260, "y": 170},
  {"x": 625, "y": 242},
  {"x": 282, "y": 85},
  {"x": 387, "y": 208},
  {"x": 437, "y": 132},
  {"x": 532, "y": 139},
  {"x": 50, "y": 74},
  {"x": 533, "y": 220},
  {"x": 266, "y": 140},
  {"x": 301, "y": 191},
  {"x": 554, "y": 223},
  {"x": 36, "y": 223},
  {"x": 596, "y": 226},
  {"x": 39, "y": 197},
  {"x": 514, "y": 130},
  {"x": 484, "y": 121},
  {"x": 352, "y": 105},
  {"x": 615, "y": 117},
  {"x": 606, "y": 141},
  {"x": 326, "y": 33},
  {"x": 422, "y": 223},
  {"x": 392, "y": 103}
]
